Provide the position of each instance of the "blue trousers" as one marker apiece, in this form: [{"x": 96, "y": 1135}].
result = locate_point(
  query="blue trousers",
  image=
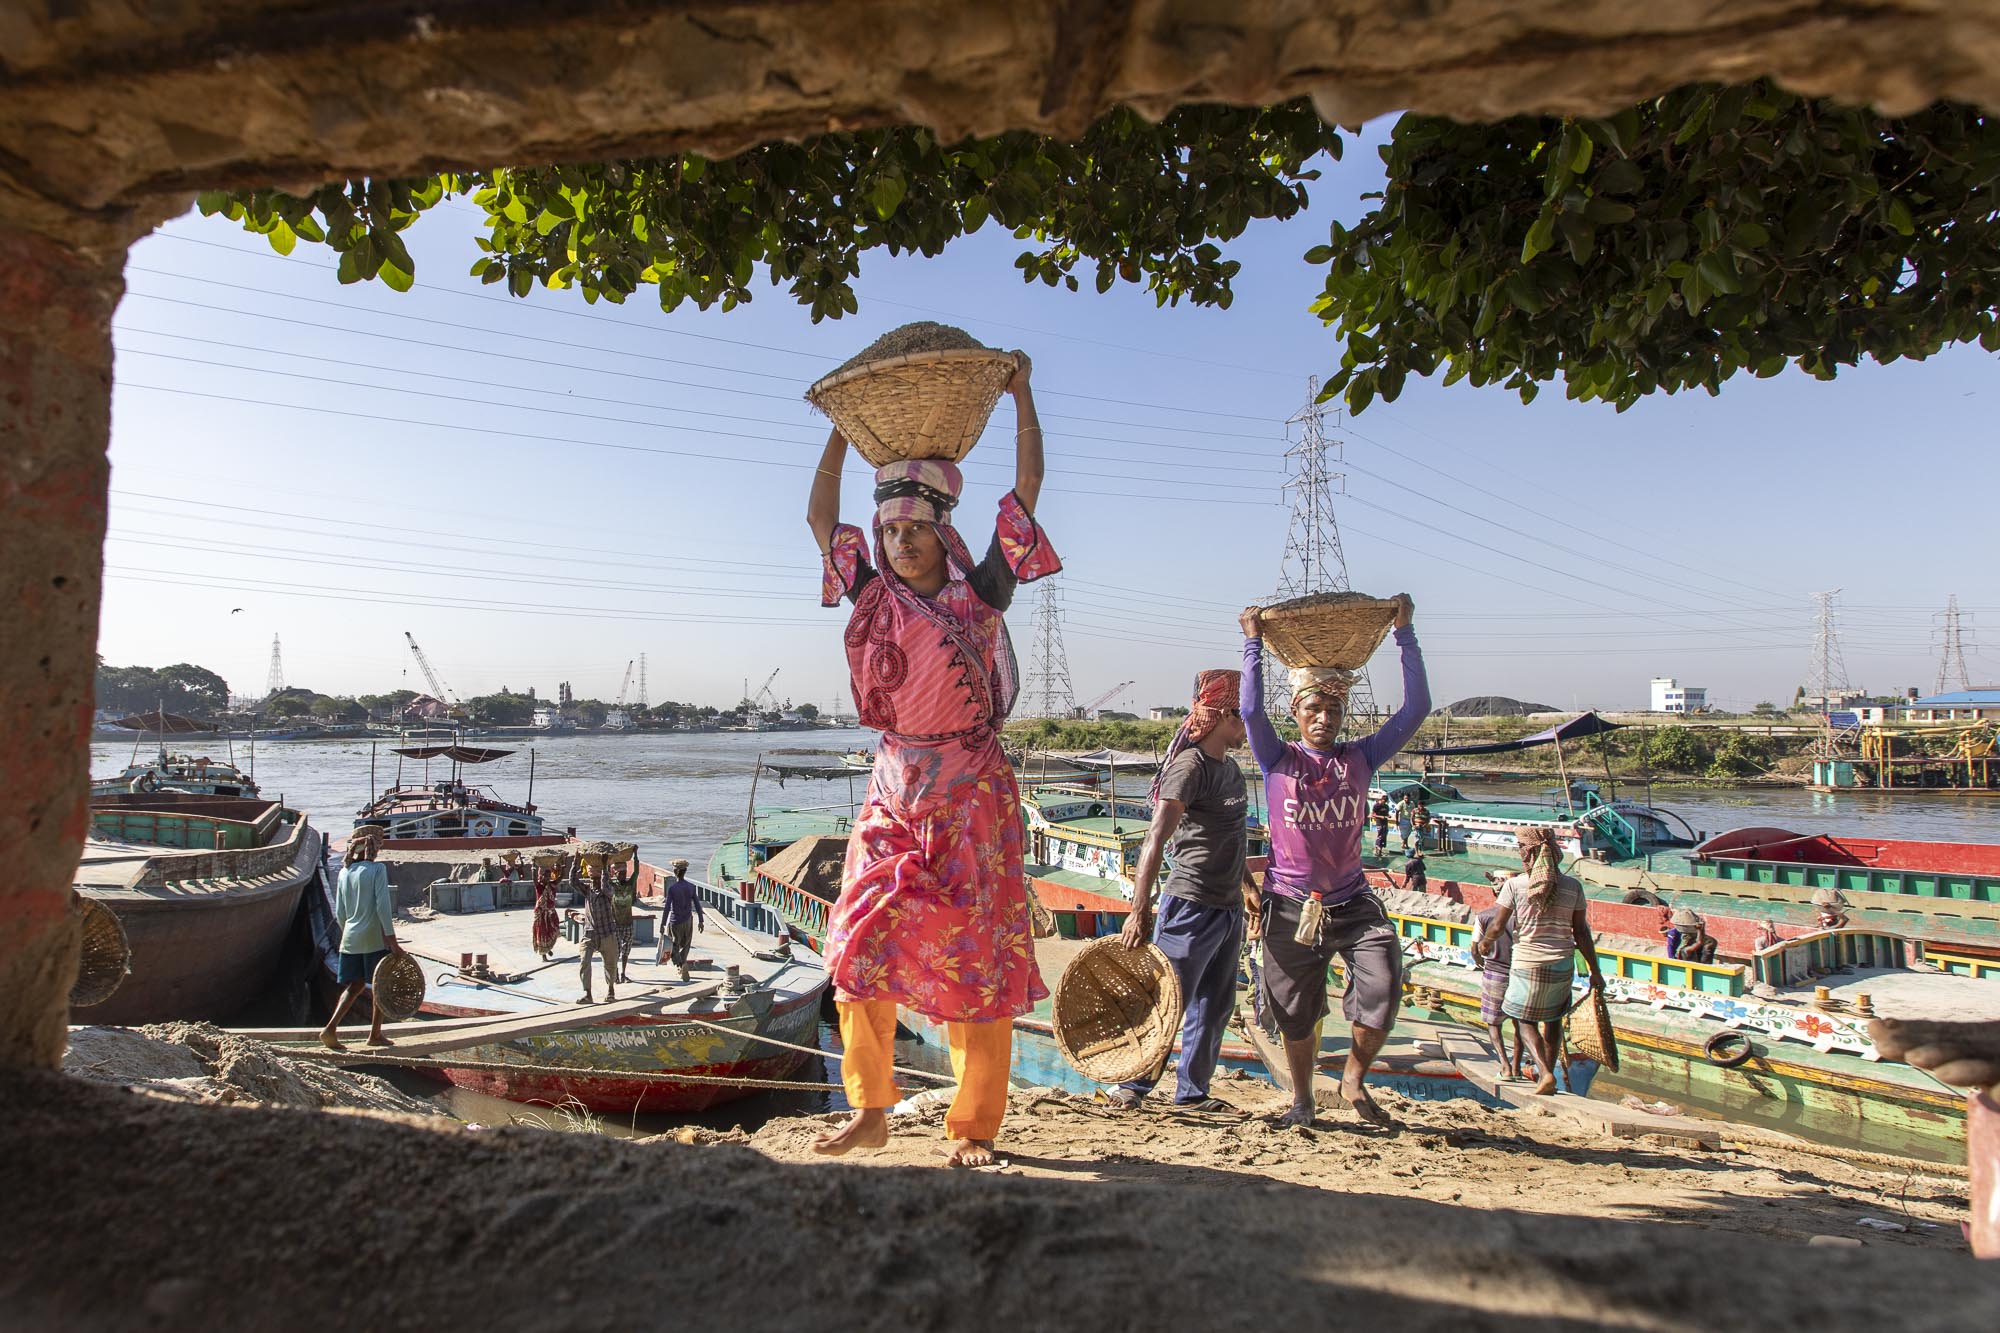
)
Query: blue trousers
[{"x": 1202, "y": 943}]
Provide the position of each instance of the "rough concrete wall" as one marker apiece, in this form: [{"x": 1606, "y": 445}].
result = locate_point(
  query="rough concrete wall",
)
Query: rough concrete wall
[
  {"x": 55, "y": 379},
  {"x": 113, "y": 102}
]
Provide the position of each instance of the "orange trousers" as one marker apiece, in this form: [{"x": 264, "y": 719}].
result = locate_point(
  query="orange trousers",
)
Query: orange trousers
[{"x": 980, "y": 1056}]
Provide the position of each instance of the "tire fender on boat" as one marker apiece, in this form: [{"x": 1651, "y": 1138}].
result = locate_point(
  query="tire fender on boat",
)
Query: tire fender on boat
[{"x": 1721, "y": 1049}]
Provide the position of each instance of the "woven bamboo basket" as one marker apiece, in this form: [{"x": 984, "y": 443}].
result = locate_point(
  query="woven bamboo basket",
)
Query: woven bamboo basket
[
  {"x": 399, "y": 985},
  {"x": 917, "y": 405},
  {"x": 1590, "y": 1030},
  {"x": 107, "y": 955},
  {"x": 1117, "y": 1011},
  {"x": 1328, "y": 629}
]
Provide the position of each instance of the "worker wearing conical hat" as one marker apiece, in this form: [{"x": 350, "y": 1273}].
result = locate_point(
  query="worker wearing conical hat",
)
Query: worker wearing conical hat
[{"x": 932, "y": 912}]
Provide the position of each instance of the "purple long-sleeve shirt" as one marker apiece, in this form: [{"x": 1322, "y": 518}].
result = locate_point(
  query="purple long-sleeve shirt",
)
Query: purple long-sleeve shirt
[{"x": 1318, "y": 799}]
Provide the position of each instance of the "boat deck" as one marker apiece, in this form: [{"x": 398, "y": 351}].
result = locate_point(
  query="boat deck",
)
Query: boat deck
[
  {"x": 775, "y": 828},
  {"x": 505, "y": 936}
]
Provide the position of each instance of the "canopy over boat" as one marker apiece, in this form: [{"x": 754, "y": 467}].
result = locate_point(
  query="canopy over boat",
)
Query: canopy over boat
[
  {"x": 462, "y": 754},
  {"x": 1115, "y": 759},
  {"x": 169, "y": 724},
  {"x": 827, "y": 764},
  {"x": 1590, "y": 724}
]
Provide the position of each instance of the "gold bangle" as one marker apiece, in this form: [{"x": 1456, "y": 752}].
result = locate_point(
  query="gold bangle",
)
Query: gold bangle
[{"x": 1025, "y": 429}]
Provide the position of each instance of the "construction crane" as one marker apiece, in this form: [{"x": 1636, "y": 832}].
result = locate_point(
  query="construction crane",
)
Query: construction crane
[
  {"x": 1090, "y": 709},
  {"x": 625, "y": 685},
  {"x": 756, "y": 702},
  {"x": 439, "y": 690}
]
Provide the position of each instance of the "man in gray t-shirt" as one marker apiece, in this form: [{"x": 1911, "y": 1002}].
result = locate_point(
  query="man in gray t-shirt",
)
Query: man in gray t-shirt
[{"x": 1200, "y": 807}]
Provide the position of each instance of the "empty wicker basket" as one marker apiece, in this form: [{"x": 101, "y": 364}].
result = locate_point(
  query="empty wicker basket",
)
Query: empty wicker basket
[
  {"x": 1117, "y": 1011},
  {"x": 399, "y": 985},
  {"x": 1590, "y": 1030},
  {"x": 930, "y": 401},
  {"x": 107, "y": 955},
  {"x": 1328, "y": 629}
]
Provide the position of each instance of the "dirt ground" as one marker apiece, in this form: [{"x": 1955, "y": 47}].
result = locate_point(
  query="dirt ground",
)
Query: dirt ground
[{"x": 129, "y": 1210}]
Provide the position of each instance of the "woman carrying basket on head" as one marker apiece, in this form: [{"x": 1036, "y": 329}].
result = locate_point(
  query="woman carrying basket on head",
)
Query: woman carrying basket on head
[{"x": 932, "y": 910}]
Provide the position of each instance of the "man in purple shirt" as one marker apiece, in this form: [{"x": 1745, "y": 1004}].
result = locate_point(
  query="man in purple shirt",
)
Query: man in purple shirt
[
  {"x": 1316, "y": 901},
  {"x": 679, "y": 913}
]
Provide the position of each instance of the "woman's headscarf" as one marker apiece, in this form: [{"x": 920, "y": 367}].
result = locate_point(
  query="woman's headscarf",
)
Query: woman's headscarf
[
  {"x": 1215, "y": 694},
  {"x": 923, "y": 490},
  {"x": 1545, "y": 865}
]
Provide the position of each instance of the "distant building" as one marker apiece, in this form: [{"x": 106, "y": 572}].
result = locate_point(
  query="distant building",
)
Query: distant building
[
  {"x": 1166, "y": 713},
  {"x": 423, "y": 708},
  {"x": 1670, "y": 696},
  {"x": 1982, "y": 704},
  {"x": 1849, "y": 699}
]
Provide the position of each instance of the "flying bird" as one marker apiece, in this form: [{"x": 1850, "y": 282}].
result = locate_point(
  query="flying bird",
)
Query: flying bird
[{"x": 234, "y": 609}]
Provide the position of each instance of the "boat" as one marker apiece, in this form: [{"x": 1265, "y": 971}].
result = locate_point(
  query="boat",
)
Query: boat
[
  {"x": 206, "y": 888},
  {"x": 503, "y": 1021},
  {"x": 197, "y": 775},
  {"x": 449, "y": 813},
  {"x": 1780, "y": 1042},
  {"x": 1953, "y": 871}
]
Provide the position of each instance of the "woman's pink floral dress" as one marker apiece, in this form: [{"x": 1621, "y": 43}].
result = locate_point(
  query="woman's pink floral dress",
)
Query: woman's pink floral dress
[{"x": 933, "y": 909}]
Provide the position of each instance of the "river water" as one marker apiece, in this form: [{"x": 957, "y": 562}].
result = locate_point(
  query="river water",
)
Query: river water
[{"x": 681, "y": 795}]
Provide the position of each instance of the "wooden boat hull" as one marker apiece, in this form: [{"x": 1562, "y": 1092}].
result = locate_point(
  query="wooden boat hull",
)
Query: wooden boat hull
[
  {"x": 1782, "y": 1086},
  {"x": 650, "y": 1046},
  {"x": 203, "y": 949}
]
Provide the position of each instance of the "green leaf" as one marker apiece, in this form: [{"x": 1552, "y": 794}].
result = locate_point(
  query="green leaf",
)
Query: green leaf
[
  {"x": 1608, "y": 211},
  {"x": 395, "y": 277},
  {"x": 1898, "y": 217},
  {"x": 515, "y": 210},
  {"x": 283, "y": 238},
  {"x": 1541, "y": 235},
  {"x": 520, "y": 281},
  {"x": 211, "y": 202},
  {"x": 886, "y": 194},
  {"x": 1619, "y": 176}
]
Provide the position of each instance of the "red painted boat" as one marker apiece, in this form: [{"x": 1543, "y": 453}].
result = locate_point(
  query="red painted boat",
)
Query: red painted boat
[
  {"x": 748, "y": 1016},
  {"x": 1961, "y": 871}
]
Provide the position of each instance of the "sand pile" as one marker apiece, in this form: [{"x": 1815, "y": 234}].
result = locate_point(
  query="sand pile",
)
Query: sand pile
[
  {"x": 921, "y": 335},
  {"x": 128, "y": 1211},
  {"x": 202, "y": 1063}
]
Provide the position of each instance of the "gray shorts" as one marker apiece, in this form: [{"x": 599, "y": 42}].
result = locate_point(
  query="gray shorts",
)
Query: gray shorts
[{"x": 1295, "y": 981}]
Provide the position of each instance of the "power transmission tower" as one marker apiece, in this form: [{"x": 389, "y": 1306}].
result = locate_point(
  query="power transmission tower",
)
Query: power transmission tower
[
  {"x": 1047, "y": 691},
  {"x": 276, "y": 680},
  {"x": 1951, "y": 662},
  {"x": 643, "y": 705},
  {"x": 1314, "y": 560},
  {"x": 1826, "y": 674}
]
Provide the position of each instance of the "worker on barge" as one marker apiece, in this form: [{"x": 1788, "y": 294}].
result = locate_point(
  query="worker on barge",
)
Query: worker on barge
[
  {"x": 1317, "y": 902},
  {"x": 932, "y": 911}
]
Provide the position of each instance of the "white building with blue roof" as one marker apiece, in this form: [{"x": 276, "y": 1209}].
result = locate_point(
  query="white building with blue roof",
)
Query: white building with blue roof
[{"x": 1974, "y": 705}]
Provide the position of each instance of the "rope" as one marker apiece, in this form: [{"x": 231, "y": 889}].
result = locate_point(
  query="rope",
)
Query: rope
[{"x": 809, "y": 1050}]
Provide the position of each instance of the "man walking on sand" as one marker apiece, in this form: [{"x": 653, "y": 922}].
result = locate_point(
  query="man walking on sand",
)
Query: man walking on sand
[
  {"x": 1317, "y": 902},
  {"x": 600, "y": 934},
  {"x": 1198, "y": 804},
  {"x": 364, "y": 908}
]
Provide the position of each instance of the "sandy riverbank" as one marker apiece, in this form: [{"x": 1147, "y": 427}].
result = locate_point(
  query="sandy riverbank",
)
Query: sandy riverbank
[{"x": 127, "y": 1209}]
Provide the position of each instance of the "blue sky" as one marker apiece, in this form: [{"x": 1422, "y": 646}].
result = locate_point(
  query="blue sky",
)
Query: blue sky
[{"x": 542, "y": 490}]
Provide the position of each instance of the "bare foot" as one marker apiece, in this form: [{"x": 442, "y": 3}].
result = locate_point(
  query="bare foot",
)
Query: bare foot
[
  {"x": 1965, "y": 1055},
  {"x": 585, "y": 999},
  {"x": 868, "y": 1129},
  {"x": 1545, "y": 1086},
  {"x": 1365, "y": 1106},
  {"x": 970, "y": 1152},
  {"x": 329, "y": 1040},
  {"x": 1300, "y": 1114},
  {"x": 377, "y": 1039}
]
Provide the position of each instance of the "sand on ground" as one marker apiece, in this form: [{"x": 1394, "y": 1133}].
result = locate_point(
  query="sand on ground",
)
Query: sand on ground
[{"x": 126, "y": 1209}]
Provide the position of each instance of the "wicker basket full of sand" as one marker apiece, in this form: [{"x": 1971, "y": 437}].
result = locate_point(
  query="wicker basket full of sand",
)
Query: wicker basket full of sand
[
  {"x": 924, "y": 390},
  {"x": 1328, "y": 629},
  {"x": 106, "y": 958},
  {"x": 399, "y": 985},
  {"x": 1117, "y": 1011}
]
